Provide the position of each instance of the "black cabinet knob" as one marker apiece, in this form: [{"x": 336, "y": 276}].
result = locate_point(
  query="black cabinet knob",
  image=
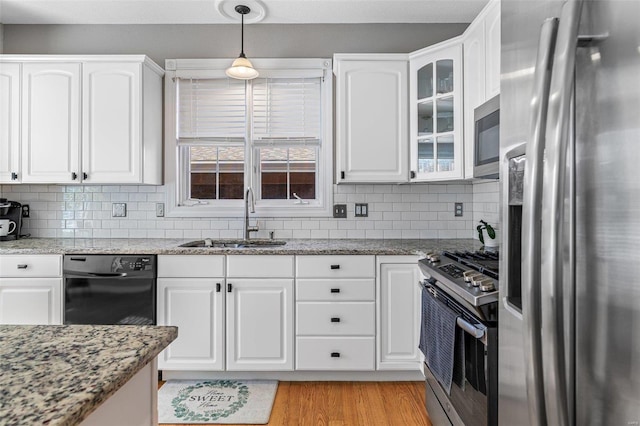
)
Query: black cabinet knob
[
  {"x": 85, "y": 176},
  {"x": 74, "y": 176},
  {"x": 14, "y": 176}
]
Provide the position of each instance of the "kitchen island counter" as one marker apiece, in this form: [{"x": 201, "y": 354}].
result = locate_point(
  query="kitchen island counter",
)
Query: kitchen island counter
[
  {"x": 58, "y": 375},
  {"x": 297, "y": 246}
]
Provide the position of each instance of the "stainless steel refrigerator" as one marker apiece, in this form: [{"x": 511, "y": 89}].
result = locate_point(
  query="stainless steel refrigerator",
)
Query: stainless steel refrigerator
[{"x": 569, "y": 319}]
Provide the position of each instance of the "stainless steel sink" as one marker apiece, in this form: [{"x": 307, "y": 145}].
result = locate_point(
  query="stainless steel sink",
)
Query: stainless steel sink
[{"x": 210, "y": 243}]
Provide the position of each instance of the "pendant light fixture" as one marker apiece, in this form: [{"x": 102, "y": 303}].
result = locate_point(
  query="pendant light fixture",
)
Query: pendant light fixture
[{"x": 242, "y": 68}]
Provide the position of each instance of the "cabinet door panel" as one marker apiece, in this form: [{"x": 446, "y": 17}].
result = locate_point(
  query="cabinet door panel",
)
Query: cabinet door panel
[
  {"x": 50, "y": 122},
  {"x": 260, "y": 324},
  {"x": 196, "y": 308},
  {"x": 9, "y": 122},
  {"x": 111, "y": 142},
  {"x": 372, "y": 120},
  {"x": 31, "y": 301},
  {"x": 492, "y": 34},
  {"x": 399, "y": 317}
]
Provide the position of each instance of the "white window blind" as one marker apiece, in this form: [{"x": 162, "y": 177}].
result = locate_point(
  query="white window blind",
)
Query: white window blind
[
  {"x": 287, "y": 109},
  {"x": 211, "y": 109}
]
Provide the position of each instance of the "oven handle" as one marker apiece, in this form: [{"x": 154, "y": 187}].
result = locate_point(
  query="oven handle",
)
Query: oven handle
[
  {"x": 476, "y": 332},
  {"x": 77, "y": 274}
]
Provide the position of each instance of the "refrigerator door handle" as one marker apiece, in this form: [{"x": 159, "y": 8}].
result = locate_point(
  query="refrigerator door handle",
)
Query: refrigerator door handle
[
  {"x": 531, "y": 216},
  {"x": 557, "y": 142}
]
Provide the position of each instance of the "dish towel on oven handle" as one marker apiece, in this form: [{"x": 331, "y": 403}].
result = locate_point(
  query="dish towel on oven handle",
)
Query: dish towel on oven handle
[{"x": 438, "y": 338}]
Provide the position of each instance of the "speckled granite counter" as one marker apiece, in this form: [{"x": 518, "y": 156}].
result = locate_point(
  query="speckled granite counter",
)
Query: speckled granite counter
[
  {"x": 57, "y": 375},
  {"x": 171, "y": 246}
]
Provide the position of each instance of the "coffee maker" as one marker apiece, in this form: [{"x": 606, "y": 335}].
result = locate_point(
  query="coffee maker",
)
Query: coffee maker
[{"x": 12, "y": 211}]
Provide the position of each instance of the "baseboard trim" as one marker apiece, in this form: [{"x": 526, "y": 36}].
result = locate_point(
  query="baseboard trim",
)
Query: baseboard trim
[{"x": 299, "y": 376}]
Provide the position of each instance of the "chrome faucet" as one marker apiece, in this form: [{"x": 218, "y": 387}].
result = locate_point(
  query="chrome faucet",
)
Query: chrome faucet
[{"x": 249, "y": 201}]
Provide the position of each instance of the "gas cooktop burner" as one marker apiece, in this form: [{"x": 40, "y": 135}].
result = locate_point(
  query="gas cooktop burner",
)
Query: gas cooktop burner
[
  {"x": 482, "y": 261},
  {"x": 471, "y": 275}
]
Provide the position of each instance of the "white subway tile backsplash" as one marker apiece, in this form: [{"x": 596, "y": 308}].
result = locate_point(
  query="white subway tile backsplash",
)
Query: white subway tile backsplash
[{"x": 395, "y": 211}]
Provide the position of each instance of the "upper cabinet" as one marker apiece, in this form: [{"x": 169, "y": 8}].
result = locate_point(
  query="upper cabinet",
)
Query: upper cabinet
[
  {"x": 86, "y": 119},
  {"x": 481, "y": 43},
  {"x": 9, "y": 123},
  {"x": 435, "y": 111},
  {"x": 371, "y": 118}
]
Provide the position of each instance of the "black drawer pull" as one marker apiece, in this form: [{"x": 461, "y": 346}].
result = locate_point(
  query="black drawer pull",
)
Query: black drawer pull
[
  {"x": 218, "y": 286},
  {"x": 335, "y": 354},
  {"x": 335, "y": 266},
  {"x": 22, "y": 266},
  {"x": 78, "y": 259},
  {"x": 335, "y": 290},
  {"x": 335, "y": 319},
  {"x": 229, "y": 287}
]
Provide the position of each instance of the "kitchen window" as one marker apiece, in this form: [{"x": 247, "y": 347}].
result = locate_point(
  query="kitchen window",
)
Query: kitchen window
[{"x": 273, "y": 134}]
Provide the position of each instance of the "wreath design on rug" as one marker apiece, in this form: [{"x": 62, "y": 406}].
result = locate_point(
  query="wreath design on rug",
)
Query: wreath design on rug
[{"x": 212, "y": 405}]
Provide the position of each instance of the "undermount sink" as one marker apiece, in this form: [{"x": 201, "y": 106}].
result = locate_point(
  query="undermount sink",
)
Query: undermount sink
[{"x": 209, "y": 243}]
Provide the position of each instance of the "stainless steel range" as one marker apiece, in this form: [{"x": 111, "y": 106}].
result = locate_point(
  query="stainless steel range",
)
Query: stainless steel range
[{"x": 465, "y": 284}]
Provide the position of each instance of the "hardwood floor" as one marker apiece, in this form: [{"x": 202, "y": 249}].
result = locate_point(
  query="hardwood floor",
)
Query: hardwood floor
[{"x": 349, "y": 403}]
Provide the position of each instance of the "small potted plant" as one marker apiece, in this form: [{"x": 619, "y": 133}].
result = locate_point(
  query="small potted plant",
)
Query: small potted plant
[{"x": 491, "y": 240}]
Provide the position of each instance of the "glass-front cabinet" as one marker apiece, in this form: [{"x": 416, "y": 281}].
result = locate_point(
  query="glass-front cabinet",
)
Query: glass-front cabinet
[{"x": 435, "y": 100}]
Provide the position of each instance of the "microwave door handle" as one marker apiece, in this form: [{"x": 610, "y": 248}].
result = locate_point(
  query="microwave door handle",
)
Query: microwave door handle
[
  {"x": 531, "y": 214},
  {"x": 557, "y": 141}
]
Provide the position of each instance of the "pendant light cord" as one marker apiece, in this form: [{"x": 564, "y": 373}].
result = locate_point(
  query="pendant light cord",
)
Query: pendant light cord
[{"x": 242, "y": 55}]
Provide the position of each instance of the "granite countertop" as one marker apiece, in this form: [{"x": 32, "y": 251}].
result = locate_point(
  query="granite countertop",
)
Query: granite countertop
[
  {"x": 171, "y": 246},
  {"x": 59, "y": 374}
]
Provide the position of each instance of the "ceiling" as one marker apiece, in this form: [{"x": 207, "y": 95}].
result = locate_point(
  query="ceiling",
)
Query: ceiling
[{"x": 222, "y": 11}]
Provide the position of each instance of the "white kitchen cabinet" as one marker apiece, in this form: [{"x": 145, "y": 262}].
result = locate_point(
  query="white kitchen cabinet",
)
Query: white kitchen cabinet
[
  {"x": 89, "y": 119},
  {"x": 436, "y": 112},
  {"x": 371, "y": 118},
  {"x": 335, "y": 312},
  {"x": 10, "y": 123},
  {"x": 51, "y": 122},
  {"x": 31, "y": 289},
  {"x": 191, "y": 297},
  {"x": 121, "y": 119},
  {"x": 398, "y": 313},
  {"x": 481, "y": 71},
  {"x": 260, "y": 324},
  {"x": 196, "y": 307}
]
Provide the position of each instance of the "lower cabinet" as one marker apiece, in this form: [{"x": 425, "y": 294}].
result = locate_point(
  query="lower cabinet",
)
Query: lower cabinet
[
  {"x": 398, "y": 305},
  {"x": 30, "y": 301},
  {"x": 224, "y": 322},
  {"x": 259, "y": 324},
  {"x": 31, "y": 289},
  {"x": 196, "y": 307}
]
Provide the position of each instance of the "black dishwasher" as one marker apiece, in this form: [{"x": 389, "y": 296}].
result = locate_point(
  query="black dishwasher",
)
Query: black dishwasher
[{"x": 110, "y": 289}]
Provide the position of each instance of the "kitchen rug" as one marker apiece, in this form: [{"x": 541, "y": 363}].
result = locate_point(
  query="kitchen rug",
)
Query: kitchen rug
[{"x": 216, "y": 401}]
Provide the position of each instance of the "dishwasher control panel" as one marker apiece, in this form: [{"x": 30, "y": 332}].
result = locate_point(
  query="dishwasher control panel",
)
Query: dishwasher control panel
[{"x": 126, "y": 264}]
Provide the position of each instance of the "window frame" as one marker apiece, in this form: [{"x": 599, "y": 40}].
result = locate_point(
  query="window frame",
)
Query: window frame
[{"x": 214, "y": 68}]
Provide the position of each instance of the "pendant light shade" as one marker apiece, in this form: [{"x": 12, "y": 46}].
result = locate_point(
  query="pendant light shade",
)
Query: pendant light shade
[{"x": 242, "y": 68}]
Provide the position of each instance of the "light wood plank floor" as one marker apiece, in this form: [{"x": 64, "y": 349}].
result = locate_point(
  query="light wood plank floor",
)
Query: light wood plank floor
[{"x": 349, "y": 403}]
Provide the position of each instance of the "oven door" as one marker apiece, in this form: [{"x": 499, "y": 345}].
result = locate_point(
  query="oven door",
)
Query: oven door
[
  {"x": 473, "y": 397},
  {"x": 109, "y": 299}
]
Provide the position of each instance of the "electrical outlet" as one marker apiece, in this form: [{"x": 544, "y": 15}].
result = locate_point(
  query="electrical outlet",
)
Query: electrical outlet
[
  {"x": 457, "y": 209},
  {"x": 118, "y": 209},
  {"x": 340, "y": 211},
  {"x": 159, "y": 209},
  {"x": 25, "y": 210},
  {"x": 362, "y": 210}
]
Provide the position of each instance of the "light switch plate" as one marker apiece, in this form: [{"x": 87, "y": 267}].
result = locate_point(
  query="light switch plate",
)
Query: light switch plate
[
  {"x": 340, "y": 211},
  {"x": 118, "y": 209}
]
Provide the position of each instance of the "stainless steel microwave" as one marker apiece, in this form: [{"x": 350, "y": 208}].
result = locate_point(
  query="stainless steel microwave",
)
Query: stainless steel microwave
[{"x": 487, "y": 139}]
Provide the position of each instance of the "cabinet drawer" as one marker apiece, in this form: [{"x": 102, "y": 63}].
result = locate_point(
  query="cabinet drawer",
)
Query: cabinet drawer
[
  {"x": 190, "y": 266},
  {"x": 336, "y": 290},
  {"x": 335, "y": 319},
  {"x": 31, "y": 266},
  {"x": 335, "y": 266},
  {"x": 335, "y": 353},
  {"x": 259, "y": 266}
]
